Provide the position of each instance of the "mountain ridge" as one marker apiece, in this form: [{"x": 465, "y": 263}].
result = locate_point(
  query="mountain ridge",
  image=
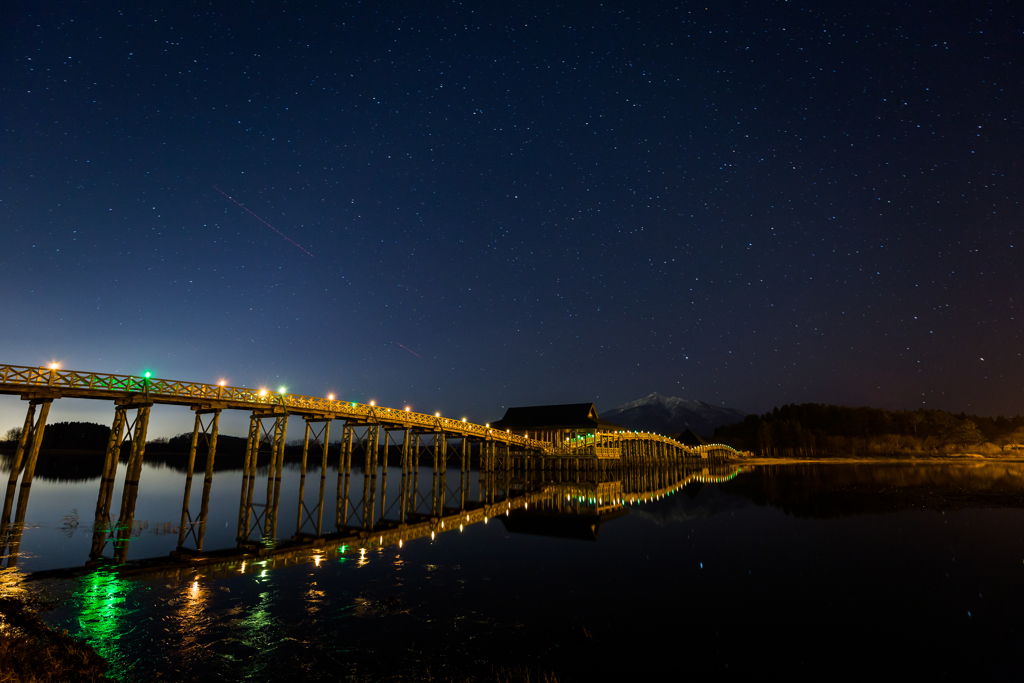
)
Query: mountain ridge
[{"x": 671, "y": 414}]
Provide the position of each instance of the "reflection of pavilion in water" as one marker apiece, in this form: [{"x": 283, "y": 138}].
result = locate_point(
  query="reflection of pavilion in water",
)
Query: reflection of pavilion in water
[
  {"x": 435, "y": 494},
  {"x": 575, "y": 509},
  {"x": 578, "y": 513}
]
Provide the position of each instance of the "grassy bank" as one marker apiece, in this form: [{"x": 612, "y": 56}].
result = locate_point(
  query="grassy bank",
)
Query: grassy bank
[{"x": 32, "y": 652}]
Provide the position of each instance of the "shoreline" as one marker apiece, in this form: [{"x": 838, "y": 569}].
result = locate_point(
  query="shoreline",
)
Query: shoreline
[
  {"x": 33, "y": 652},
  {"x": 950, "y": 459}
]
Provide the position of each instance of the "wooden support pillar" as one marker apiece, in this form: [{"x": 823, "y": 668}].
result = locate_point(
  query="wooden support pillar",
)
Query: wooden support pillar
[
  {"x": 19, "y": 453},
  {"x": 34, "y": 444},
  {"x": 344, "y": 471},
  {"x": 437, "y": 467},
  {"x": 210, "y": 433},
  {"x": 302, "y": 478},
  {"x": 277, "y": 466},
  {"x": 403, "y": 489},
  {"x": 211, "y": 452},
  {"x": 442, "y": 488},
  {"x": 372, "y": 447},
  {"x": 415, "y": 471},
  {"x": 384, "y": 476},
  {"x": 437, "y": 453},
  {"x": 31, "y": 459},
  {"x": 130, "y": 491},
  {"x": 435, "y": 447},
  {"x": 482, "y": 461},
  {"x": 270, "y": 473},
  {"x": 363, "y": 514},
  {"x": 101, "y": 524},
  {"x": 323, "y": 477},
  {"x": 252, "y": 446},
  {"x": 321, "y": 437}
]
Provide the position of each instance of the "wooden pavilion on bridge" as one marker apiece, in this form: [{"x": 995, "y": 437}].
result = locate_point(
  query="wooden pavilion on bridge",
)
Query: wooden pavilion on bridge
[{"x": 558, "y": 424}]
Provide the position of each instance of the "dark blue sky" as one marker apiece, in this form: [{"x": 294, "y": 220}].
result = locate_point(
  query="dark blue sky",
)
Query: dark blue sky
[{"x": 749, "y": 204}]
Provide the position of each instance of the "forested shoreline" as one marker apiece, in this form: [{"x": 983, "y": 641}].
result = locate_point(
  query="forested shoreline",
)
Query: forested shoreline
[
  {"x": 812, "y": 430},
  {"x": 808, "y": 430}
]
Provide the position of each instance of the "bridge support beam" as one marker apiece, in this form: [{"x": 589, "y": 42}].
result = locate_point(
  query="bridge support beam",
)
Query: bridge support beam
[
  {"x": 344, "y": 475},
  {"x": 321, "y": 438},
  {"x": 277, "y": 466},
  {"x": 32, "y": 437},
  {"x": 415, "y": 472},
  {"x": 31, "y": 429},
  {"x": 130, "y": 491},
  {"x": 102, "y": 525},
  {"x": 441, "y": 468},
  {"x": 209, "y": 433},
  {"x": 258, "y": 436},
  {"x": 248, "y": 474}
]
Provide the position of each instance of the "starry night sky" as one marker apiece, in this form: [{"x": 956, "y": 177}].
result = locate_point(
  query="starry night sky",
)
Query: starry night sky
[{"x": 494, "y": 204}]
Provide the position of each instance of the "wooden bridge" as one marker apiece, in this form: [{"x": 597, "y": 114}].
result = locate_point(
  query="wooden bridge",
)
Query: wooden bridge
[{"x": 369, "y": 433}]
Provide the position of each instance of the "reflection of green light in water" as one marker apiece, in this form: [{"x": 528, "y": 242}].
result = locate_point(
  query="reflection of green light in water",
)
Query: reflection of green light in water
[
  {"x": 260, "y": 631},
  {"x": 102, "y": 599}
]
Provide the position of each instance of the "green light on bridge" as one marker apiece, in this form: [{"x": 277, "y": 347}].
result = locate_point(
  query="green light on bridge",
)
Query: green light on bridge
[{"x": 147, "y": 374}]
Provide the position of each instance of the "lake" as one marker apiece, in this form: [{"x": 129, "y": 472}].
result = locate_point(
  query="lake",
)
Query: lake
[{"x": 835, "y": 569}]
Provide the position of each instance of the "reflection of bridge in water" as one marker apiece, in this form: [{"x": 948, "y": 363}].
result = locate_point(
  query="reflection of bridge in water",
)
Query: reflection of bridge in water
[{"x": 603, "y": 471}]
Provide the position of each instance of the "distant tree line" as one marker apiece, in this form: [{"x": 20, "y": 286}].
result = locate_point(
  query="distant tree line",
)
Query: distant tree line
[
  {"x": 820, "y": 430},
  {"x": 71, "y": 436}
]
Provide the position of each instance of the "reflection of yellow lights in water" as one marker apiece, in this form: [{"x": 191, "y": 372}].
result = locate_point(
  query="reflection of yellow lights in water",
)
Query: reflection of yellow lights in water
[
  {"x": 191, "y": 612},
  {"x": 431, "y": 535},
  {"x": 10, "y": 583},
  {"x": 316, "y": 560},
  {"x": 10, "y": 587},
  {"x": 314, "y": 599},
  {"x": 399, "y": 543},
  {"x": 243, "y": 567}
]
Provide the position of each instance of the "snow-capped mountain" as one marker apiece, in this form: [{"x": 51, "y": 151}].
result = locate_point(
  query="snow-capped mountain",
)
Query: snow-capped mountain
[{"x": 669, "y": 414}]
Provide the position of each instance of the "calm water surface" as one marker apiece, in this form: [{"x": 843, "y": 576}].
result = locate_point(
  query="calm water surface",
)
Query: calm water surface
[{"x": 840, "y": 570}]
